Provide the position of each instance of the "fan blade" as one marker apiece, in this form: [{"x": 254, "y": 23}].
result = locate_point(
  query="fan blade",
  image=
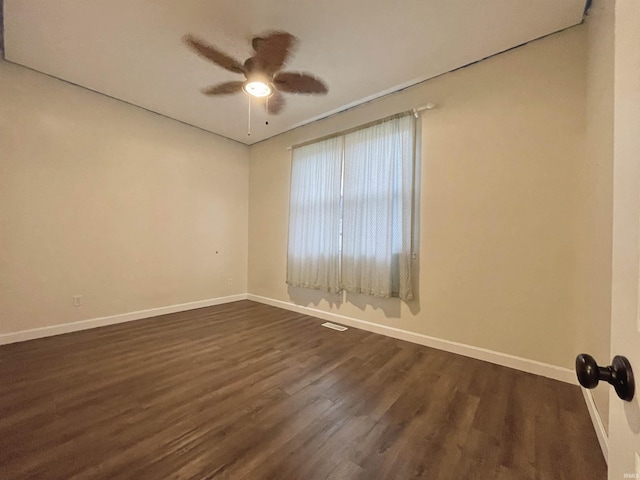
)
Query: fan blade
[
  {"x": 272, "y": 51},
  {"x": 255, "y": 42},
  {"x": 211, "y": 53},
  {"x": 225, "y": 88},
  {"x": 275, "y": 103},
  {"x": 299, "y": 83}
]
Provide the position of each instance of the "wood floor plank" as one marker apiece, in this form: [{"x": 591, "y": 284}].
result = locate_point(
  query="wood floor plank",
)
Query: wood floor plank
[{"x": 247, "y": 391}]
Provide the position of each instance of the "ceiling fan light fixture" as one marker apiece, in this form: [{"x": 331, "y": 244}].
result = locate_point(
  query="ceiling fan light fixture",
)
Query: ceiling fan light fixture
[
  {"x": 264, "y": 78},
  {"x": 257, "y": 88}
]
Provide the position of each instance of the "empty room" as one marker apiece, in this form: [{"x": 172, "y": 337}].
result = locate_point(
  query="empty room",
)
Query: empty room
[{"x": 319, "y": 240}]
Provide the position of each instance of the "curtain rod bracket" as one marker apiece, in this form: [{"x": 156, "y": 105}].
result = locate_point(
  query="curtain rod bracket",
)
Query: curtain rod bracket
[{"x": 428, "y": 106}]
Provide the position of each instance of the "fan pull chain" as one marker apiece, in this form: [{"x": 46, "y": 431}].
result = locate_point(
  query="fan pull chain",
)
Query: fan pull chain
[{"x": 249, "y": 119}]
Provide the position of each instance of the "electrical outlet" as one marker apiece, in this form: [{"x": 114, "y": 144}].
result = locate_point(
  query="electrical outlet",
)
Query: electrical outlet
[
  {"x": 77, "y": 300},
  {"x": 229, "y": 281}
]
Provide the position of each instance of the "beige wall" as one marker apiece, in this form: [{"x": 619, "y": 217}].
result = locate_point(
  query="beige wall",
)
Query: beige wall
[
  {"x": 504, "y": 187},
  {"x": 105, "y": 200}
]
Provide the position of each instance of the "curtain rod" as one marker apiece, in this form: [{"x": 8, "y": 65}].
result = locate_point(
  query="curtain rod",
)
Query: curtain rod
[{"x": 413, "y": 111}]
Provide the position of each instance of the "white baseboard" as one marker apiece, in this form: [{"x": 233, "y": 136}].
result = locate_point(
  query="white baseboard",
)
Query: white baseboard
[
  {"x": 598, "y": 424},
  {"x": 34, "y": 333},
  {"x": 498, "y": 358}
]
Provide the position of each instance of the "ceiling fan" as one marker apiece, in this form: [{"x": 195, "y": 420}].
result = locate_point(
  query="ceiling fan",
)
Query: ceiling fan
[{"x": 262, "y": 70}]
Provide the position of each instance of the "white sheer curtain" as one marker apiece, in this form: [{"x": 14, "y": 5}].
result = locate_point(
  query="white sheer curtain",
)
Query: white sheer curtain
[
  {"x": 314, "y": 216},
  {"x": 377, "y": 211}
]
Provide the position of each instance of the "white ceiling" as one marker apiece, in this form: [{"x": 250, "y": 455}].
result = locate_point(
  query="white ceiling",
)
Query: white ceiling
[{"x": 132, "y": 49}]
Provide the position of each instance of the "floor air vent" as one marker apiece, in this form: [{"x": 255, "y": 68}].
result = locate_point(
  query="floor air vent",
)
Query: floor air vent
[{"x": 340, "y": 328}]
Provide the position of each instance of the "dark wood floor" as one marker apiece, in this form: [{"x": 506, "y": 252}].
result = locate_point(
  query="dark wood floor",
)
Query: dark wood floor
[{"x": 248, "y": 391}]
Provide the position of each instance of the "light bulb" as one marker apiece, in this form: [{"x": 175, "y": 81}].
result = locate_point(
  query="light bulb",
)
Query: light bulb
[{"x": 258, "y": 89}]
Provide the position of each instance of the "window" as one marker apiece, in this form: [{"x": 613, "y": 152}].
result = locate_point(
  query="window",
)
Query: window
[{"x": 350, "y": 220}]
